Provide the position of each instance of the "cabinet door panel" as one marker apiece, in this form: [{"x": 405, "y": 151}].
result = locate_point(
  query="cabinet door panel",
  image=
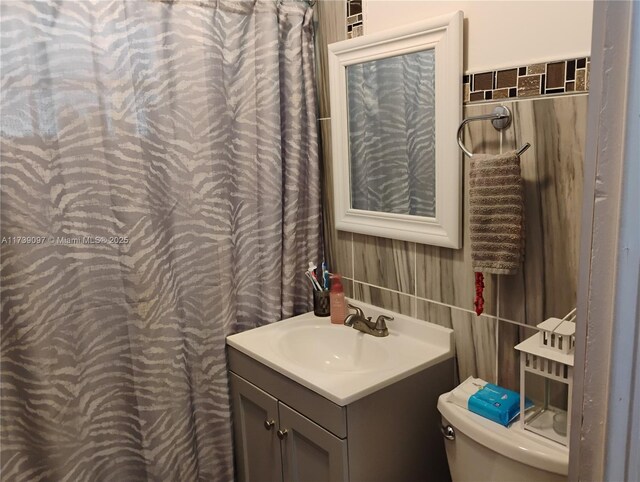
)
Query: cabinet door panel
[
  {"x": 309, "y": 452},
  {"x": 258, "y": 456}
]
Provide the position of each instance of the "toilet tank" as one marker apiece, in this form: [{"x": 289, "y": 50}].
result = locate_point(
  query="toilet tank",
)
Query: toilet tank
[{"x": 484, "y": 451}]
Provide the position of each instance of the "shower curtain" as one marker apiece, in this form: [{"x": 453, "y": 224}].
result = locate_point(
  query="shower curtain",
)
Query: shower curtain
[{"x": 159, "y": 190}]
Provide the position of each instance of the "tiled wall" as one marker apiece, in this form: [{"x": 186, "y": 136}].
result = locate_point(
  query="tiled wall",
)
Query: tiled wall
[
  {"x": 437, "y": 284},
  {"x": 355, "y": 27},
  {"x": 534, "y": 80}
]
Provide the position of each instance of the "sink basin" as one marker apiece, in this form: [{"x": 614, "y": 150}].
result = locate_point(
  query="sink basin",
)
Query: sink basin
[
  {"x": 332, "y": 348},
  {"x": 343, "y": 364}
]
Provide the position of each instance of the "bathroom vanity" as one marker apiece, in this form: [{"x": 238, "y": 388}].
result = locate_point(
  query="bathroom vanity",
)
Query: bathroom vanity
[{"x": 319, "y": 402}]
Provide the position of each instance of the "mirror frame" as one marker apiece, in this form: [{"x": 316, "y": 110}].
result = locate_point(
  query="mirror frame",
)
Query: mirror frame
[{"x": 445, "y": 35}]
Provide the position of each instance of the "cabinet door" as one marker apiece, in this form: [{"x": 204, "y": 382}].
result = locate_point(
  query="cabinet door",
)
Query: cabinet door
[
  {"x": 255, "y": 422},
  {"x": 309, "y": 452}
]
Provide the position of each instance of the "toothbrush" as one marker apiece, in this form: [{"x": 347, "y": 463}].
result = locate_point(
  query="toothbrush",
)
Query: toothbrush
[
  {"x": 325, "y": 275},
  {"x": 315, "y": 278},
  {"x": 314, "y": 283},
  {"x": 312, "y": 272}
]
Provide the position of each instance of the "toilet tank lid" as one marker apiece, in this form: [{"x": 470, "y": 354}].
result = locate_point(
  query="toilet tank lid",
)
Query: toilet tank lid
[{"x": 513, "y": 442}]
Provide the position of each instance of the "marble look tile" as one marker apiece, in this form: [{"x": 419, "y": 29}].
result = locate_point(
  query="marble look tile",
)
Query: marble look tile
[
  {"x": 555, "y": 74},
  {"x": 552, "y": 171},
  {"x": 347, "y": 284},
  {"x": 581, "y": 83},
  {"x": 337, "y": 243},
  {"x": 501, "y": 93},
  {"x": 509, "y": 335},
  {"x": 484, "y": 341},
  {"x": 529, "y": 86},
  {"x": 506, "y": 78},
  {"x": 508, "y": 356},
  {"x": 389, "y": 300},
  {"x": 446, "y": 275},
  {"x": 343, "y": 254},
  {"x": 588, "y": 75},
  {"x": 474, "y": 338},
  {"x": 434, "y": 313},
  {"x": 331, "y": 27},
  {"x": 536, "y": 69},
  {"x": 383, "y": 262},
  {"x": 355, "y": 7},
  {"x": 483, "y": 81}
]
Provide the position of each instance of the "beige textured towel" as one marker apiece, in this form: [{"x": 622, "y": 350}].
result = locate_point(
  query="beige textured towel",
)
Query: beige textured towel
[{"x": 496, "y": 214}]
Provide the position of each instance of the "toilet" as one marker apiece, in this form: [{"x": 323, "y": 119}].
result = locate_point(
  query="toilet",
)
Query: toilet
[{"x": 479, "y": 450}]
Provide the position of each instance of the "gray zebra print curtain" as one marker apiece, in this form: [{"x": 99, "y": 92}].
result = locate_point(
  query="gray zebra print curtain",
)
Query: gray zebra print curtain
[
  {"x": 160, "y": 189},
  {"x": 392, "y": 134}
]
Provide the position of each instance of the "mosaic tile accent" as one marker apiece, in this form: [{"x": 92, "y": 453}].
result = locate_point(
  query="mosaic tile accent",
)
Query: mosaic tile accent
[
  {"x": 551, "y": 78},
  {"x": 355, "y": 26},
  {"x": 354, "y": 7}
]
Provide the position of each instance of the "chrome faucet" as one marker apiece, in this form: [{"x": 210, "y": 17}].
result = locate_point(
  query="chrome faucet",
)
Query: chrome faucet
[{"x": 364, "y": 324}]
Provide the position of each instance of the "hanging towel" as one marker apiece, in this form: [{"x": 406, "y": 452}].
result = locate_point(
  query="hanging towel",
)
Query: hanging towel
[{"x": 496, "y": 216}]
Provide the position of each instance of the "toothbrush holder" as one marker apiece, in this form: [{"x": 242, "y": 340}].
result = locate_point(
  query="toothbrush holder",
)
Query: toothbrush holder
[{"x": 321, "y": 303}]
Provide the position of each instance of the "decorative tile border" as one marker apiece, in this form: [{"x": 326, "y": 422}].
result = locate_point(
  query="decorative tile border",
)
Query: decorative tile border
[
  {"x": 550, "y": 78},
  {"x": 355, "y": 26}
]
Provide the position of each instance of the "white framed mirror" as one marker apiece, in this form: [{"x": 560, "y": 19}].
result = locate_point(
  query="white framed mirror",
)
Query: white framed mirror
[{"x": 396, "y": 103}]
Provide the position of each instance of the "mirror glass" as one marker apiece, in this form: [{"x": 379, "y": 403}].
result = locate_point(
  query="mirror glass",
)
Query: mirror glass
[{"x": 391, "y": 123}]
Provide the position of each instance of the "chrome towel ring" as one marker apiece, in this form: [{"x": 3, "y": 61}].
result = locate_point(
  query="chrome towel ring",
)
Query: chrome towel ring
[{"x": 500, "y": 118}]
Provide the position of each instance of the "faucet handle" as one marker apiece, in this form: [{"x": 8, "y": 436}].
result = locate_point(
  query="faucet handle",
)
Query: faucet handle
[
  {"x": 381, "y": 322},
  {"x": 359, "y": 312}
]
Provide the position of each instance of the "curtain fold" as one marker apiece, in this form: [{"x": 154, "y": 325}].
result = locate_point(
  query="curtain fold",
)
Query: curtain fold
[{"x": 160, "y": 189}]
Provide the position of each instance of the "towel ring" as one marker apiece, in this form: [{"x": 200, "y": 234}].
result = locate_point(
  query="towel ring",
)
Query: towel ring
[{"x": 500, "y": 118}]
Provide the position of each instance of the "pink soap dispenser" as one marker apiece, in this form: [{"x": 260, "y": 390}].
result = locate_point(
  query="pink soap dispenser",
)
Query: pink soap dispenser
[{"x": 337, "y": 300}]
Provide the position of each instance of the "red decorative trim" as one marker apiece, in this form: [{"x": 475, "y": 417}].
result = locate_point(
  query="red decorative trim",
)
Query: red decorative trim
[{"x": 479, "y": 301}]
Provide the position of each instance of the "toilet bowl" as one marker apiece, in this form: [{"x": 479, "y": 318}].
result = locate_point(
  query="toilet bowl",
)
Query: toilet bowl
[{"x": 479, "y": 450}]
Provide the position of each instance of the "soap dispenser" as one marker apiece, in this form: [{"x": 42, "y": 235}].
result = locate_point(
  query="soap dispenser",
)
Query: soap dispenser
[{"x": 338, "y": 301}]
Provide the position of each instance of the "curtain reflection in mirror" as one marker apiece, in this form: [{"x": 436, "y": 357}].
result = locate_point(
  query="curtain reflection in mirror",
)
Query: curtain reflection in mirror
[{"x": 392, "y": 134}]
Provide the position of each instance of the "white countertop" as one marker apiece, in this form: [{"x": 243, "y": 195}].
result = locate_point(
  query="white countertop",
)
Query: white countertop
[{"x": 341, "y": 363}]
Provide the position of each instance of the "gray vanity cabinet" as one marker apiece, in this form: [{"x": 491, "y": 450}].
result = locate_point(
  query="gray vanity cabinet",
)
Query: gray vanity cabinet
[
  {"x": 255, "y": 425},
  {"x": 390, "y": 435},
  {"x": 275, "y": 443},
  {"x": 309, "y": 452}
]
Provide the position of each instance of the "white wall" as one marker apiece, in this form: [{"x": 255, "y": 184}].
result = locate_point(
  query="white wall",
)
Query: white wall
[{"x": 499, "y": 34}]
